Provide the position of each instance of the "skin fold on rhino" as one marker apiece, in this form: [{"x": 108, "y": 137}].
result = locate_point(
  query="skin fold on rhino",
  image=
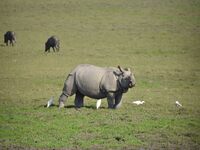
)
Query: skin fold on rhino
[{"x": 97, "y": 83}]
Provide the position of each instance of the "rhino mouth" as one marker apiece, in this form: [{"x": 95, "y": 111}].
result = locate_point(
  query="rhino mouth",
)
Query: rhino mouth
[{"x": 131, "y": 85}]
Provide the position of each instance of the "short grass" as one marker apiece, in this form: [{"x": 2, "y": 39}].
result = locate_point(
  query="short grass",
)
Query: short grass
[{"x": 157, "y": 39}]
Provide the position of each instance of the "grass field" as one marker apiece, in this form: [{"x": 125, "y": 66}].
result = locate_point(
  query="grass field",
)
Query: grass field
[{"x": 157, "y": 39}]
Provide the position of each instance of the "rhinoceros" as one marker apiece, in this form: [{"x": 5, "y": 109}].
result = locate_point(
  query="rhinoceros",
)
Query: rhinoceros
[
  {"x": 53, "y": 42},
  {"x": 97, "y": 83},
  {"x": 11, "y": 37}
]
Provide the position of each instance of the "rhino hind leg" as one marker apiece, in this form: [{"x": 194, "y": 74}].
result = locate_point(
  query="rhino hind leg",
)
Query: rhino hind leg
[
  {"x": 62, "y": 99},
  {"x": 69, "y": 89},
  {"x": 78, "y": 100}
]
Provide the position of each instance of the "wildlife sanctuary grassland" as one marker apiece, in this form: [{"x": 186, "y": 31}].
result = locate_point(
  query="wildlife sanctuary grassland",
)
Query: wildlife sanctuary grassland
[{"x": 159, "y": 40}]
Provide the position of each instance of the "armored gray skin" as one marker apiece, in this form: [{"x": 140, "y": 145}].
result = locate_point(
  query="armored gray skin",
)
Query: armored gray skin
[
  {"x": 97, "y": 83},
  {"x": 53, "y": 42},
  {"x": 10, "y": 37}
]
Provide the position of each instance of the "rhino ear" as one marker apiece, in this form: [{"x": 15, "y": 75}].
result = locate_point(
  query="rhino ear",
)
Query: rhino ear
[
  {"x": 120, "y": 69},
  {"x": 127, "y": 69}
]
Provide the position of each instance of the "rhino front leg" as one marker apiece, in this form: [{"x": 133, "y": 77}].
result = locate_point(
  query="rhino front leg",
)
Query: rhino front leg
[
  {"x": 12, "y": 42},
  {"x": 110, "y": 99},
  {"x": 78, "y": 100},
  {"x": 118, "y": 101},
  {"x": 57, "y": 48},
  {"x": 53, "y": 49}
]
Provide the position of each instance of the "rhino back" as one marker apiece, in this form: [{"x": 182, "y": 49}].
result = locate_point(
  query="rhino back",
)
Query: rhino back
[
  {"x": 9, "y": 35},
  {"x": 88, "y": 79},
  {"x": 52, "y": 41}
]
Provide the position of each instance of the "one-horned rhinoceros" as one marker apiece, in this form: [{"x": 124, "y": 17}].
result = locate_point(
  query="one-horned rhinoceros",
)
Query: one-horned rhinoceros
[
  {"x": 10, "y": 36},
  {"x": 97, "y": 83},
  {"x": 53, "y": 42}
]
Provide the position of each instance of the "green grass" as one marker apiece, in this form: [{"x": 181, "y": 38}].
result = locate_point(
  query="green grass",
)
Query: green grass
[{"x": 158, "y": 39}]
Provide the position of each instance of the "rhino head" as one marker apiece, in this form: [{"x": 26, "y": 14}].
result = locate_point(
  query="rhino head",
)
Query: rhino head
[
  {"x": 47, "y": 46},
  {"x": 5, "y": 38},
  {"x": 126, "y": 78}
]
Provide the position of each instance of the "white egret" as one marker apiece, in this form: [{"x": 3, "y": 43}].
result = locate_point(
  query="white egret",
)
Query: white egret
[
  {"x": 98, "y": 104},
  {"x": 138, "y": 102},
  {"x": 178, "y": 104},
  {"x": 50, "y": 102}
]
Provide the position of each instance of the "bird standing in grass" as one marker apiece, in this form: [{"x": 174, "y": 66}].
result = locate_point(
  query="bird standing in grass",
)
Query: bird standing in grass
[
  {"x": 50, "y": 102},
  {"x": 138, "y": 102},
  {"x": 178, "y": 104},
  {"x": 98, "y": 104}
]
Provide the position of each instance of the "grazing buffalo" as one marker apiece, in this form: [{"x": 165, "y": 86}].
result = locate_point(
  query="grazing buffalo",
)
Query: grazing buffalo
[
  {"x": 97, "y": 83},
  {"x": 53, "y": 42},
  {"x": 11, "y": 37}
]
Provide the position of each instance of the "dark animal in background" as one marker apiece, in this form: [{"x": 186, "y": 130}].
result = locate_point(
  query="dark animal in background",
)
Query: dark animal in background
[
  {"x": 53, "y": 42},
  {"x": 10, "y": 37}
]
